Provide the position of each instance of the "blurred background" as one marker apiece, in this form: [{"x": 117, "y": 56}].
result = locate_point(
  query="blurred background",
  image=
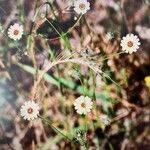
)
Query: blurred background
[{"x": 124, "y": 97}]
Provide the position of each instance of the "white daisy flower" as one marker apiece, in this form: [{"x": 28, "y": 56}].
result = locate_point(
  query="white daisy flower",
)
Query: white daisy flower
[
  {"x": 105, "y": 119},
  {"x": 81, "y": 6},
  {"x": 130, "y": 43},
  {"x": 30, "y": 110},
  {"x": 83, "y": 105},
  {"x": 15, "y": 31}
]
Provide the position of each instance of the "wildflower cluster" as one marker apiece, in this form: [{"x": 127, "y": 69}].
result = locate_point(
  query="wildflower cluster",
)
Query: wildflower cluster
[
  {"x": 83, "y": 104},
  {"x": 129, "y": 43}
]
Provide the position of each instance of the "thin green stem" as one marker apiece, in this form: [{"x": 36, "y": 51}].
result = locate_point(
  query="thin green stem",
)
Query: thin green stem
[
  {"x": 38, "y": 10},
  {"x": 94, "y": 84},
  {"x": 73, "y": 25},
  {"x": 50, "y": 50},
  {"x": 54, "y": 28},
  {"x": 56, "y": 38},
  {"x": 84, "y": 92},
  {"x": 114, "y": 54},
  {"x": 108, "y": 77},
  {"x": 57, "y": 130}
]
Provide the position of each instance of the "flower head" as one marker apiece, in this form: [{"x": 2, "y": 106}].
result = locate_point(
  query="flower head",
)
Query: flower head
[
  {"x": 30, "y": 110},
  {"x": 81, "y": 6},
  {"x": 110, "y": 35},
  {"x": 83, "y": 105},
  {"x": 147, "y": 81},
  {"x": 105, "y": 119},
  {"x": 15, "y": 31},
  {"x": 130, "y": 43}
]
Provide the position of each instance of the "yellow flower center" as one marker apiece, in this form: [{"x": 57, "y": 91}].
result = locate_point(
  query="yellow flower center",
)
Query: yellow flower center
[
  {"x": 130, "y": 44},
  {"x": 16, "y": 32},
  {"x": 82, "y": 6},
  {"x": 30, "y": 110},
  {"x": 147, "y": 81}
]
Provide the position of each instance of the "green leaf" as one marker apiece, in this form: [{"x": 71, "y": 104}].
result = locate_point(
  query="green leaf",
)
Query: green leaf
[{"x": 66, "y": 83}]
